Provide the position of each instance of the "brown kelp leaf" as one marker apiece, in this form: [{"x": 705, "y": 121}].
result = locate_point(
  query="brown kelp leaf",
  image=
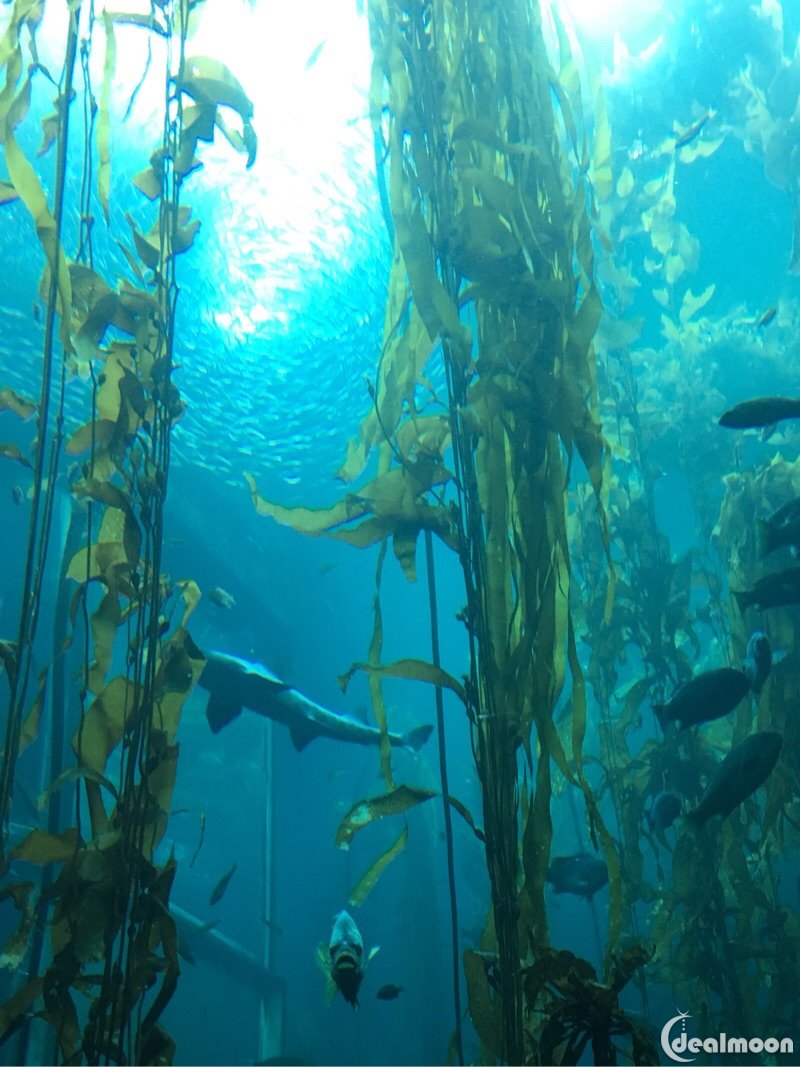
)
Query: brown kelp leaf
[
  {"x": 12, "y": 401},
  {"x": 17, "y": 1006},
  {"x": 367, "y": 811},
  {"x": 99, "y": 432},
  {"x": 74, "y": 774},
  {"x": 190, "y": 591},
  {"x": 97, "y": 562},
  {"x": 104, "y": 723},
  {"x": 114, "y": 497},
  {"x": 484, "y": 1005},
  {"x": 9, "y": 451},
  {"x": 415, "y": 670},
  {"x": 30, "y": 727},
  {"x": 368, "y": 880},
  {"x": 466, "y": 815},
  {"x": 42, "y": 847},
  {"x": 8, "y": 658},
  {"x": 17, "y": 944},
  {"x": 29, "y": 187},
  {"x": 103, "y": 128}
]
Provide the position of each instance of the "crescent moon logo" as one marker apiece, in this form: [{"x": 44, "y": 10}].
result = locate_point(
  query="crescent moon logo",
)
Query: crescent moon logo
[{"x": 665, "y": 1039}]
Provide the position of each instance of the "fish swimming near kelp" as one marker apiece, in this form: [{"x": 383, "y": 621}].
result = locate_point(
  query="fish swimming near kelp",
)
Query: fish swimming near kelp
[
  {"x": 705, "y": 697},
  {"x": 221, "y": 598},
  {"x": 746, "y": 767},
  {"x": 771, "y": 591},
  {"x": 389, "y": 992},
  {"x": 761, "y": 411},
  {"x": 343, "y": 962},
  {"x": 580, "y": 873},
  {"x": 235, "y": 683},
  {"x": 759, "y": 660},
  {"x": 663, "y": 812},
  {"x": 780, "y": 530}
]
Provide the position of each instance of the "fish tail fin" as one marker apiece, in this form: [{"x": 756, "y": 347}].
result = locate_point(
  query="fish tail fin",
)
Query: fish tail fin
[
  {"x": 659, "y": 710},
  {"x": 766, "y": 538},
  {"x": 302, "y": 733},
  {"x": 744, "y": 599},
  {"x": 220, "y": 710},
  {"x": 416, "y": 738}
]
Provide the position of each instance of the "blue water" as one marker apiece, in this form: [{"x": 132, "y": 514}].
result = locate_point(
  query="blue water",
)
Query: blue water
[{"x": 280, "y": 318}]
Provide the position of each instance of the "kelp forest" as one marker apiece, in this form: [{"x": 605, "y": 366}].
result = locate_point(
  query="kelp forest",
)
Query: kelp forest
[{"x": 544, "y": 362}]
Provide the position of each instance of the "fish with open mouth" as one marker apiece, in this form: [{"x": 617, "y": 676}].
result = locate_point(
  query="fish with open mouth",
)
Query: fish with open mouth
[{"x": 343, "y": 962}]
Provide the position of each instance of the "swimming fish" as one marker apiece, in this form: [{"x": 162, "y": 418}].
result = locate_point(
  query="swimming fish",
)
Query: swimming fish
[
  {"x": 218, "y": 892},
  {"x": 580, "y": 873},
  {"x": 759, "y": 659},
  {"x": 235, "y": 683},
  {"x": 781, "y": 529},
  {"x": 693, "y": 131},
  {"x": 345, "y": 964},
  {"x": 707, "y": 696},
  {"x": 744, "y": 769},
  {"x": 771, "y": 591},
  {"x": 663, "y": 812},
  {"x": 221, "y": 598},
  {"x": 389, "y": 992},
  {"x": 762, "y": 411},
  {"x": 766, "y": 318}
]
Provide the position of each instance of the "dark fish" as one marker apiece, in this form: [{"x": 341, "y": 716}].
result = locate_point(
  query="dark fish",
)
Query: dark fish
[
  {"x": 17, "y": 494},
  {"x": 693, "y": 131},
  {"x": 221, "y": 598},
  {"x": 782, "y": 528},
  {"x": 707, "y": 696},
  {"x": 346, "y": 950},
  {"x": 772, "y": 591},
  {"x": 664, "y": 810},
  {"x": 767, "y": 317},
  {"x": 581, "y": 874},
  {"x": 236, "y": 683},
  {"x": 218, "y": 892},
  {"x": 763, "y": 411},
  {"x": 757, "y": 662},
  {"x": 389, "y": 992},
  {"x": 744, "y": 769}
]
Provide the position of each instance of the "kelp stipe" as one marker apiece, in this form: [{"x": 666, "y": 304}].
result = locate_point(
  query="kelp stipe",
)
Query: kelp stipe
[
  {"x": 493, "y": 274},
  {"x": 111, "y": 934}
]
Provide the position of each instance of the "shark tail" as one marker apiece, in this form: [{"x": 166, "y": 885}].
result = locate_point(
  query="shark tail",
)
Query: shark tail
[
  {"x": 221, "y": 710},
  {"x": 416, "y": 738}
]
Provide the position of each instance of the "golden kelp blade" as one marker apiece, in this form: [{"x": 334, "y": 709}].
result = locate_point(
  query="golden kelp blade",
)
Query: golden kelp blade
[
  {"x": 43, "y": 847},
  {"x": 362, "y": 814},
  {"x": 415, "y": 670},
  {"x": 368, "y": 880}
]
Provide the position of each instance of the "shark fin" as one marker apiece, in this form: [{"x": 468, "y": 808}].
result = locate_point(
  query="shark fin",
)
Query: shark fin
[
  {"x": 221, "y": 710},
  {"x": 416, "y": 738},
  {"x": 303, "y": 733}
]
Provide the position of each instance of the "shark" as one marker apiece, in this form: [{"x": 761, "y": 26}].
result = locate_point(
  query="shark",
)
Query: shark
[{"x": 234, "y": 683}]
